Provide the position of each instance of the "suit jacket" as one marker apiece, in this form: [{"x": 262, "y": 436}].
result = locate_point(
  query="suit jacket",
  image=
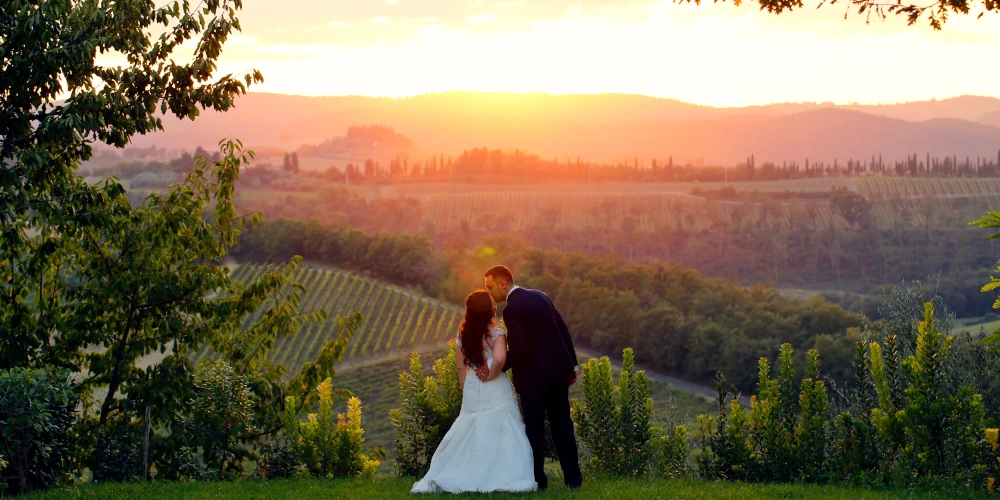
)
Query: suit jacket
[{"x": 540, "y": 350}]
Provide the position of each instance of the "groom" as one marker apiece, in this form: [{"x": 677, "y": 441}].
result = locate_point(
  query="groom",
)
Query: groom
[{"x": 543, "y": 361}]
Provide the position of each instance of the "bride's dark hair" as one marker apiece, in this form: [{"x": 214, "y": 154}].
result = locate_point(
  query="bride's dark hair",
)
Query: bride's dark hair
[{"x": 475, "y": 325}]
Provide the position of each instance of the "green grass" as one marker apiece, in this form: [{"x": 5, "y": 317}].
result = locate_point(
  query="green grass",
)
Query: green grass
[
  {"x": 974, "y": 328},
  {"x": 389, "y": 488}
]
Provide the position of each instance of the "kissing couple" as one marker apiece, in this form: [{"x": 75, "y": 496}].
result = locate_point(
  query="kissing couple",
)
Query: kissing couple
[{"x": 490, "y": 447}]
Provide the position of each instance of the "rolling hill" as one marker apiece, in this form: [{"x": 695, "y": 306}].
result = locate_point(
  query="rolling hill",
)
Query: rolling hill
[{"x": 606, "y": 127}]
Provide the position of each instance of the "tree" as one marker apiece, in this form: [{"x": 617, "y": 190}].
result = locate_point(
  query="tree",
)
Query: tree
[
  {"x": 937, "y": 12},
  {"x": 46, "y": 209},
  {"x": 92, "y": 283},
  {"x": 853, "y": 207}
]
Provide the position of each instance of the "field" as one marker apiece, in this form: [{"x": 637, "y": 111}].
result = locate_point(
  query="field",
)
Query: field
[
  {"x": 975, "y": 328},
  {"x": 396, "y": 321},
  {"x": 388, "y": 488},
  {"x": 884, "y": 187},
  {"x": 895, "y": 202},
  {"x": 567, "y": 210}
]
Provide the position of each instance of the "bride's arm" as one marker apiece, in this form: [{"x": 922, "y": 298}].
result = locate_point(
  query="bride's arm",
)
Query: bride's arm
[
  {"x": 463, "y": 369},
  {"x": 499, "y": 357}
]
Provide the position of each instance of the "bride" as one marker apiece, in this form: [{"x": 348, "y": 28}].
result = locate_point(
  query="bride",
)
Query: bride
[{"x": 486, "y": 448}]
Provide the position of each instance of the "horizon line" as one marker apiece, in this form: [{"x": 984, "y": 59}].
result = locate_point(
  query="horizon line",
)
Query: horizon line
[{"x": 625, "y": 94}]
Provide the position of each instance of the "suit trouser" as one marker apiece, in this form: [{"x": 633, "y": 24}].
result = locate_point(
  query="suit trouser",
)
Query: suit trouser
[{"x": 551, "y": 400}]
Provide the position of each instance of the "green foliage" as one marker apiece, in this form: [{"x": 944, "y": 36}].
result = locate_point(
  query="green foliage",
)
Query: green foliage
[
  {"x": 673, "y": 452},
  {"x": 53, "y": 222},
  {"x": 328, "y": 446},
  {"x": 724, "y": 452},
  {"x": 854, "y": 450},
  {"x": 614, "y": 422},
  {"x": 993, "y": 460},
  {"x": 991, "y": 221},
  {"x": 784, "y": 437},
  {"x": 428, "y": 408},
  {"x": 772, "y": 419},
  {"x": 220, "y": 416},
  {"x": 37, "y": 410},
  {"x": 811, "y": 434},
  {"x": 121, "y": 453},
  {"x": 399, "y": 258},
  {"x": 936, "y": 432}
]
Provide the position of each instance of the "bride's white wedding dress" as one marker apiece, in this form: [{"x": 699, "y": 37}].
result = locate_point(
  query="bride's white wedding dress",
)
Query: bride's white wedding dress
[{"x": 486, "y": 448}]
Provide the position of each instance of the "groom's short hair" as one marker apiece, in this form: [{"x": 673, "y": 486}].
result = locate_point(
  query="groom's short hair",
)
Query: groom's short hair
[{"x": 500, "y": 272}]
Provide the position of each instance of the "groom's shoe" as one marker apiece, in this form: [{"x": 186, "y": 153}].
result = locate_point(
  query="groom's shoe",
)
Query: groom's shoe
[{"x": 574, "y": 485}]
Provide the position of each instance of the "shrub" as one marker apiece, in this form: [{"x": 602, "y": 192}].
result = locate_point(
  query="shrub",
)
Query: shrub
[
  {"x": 811, "y": 434},
  {"x": 220, "y": 416},
  {"x": 37, "y": 410},
  {"x": 672, "y": 452},
  {"x": 614, "y": 422},
  {"x": 120, "y": 447},
  {"x": 428, "y": 407},
  {"x": 993, "y": 460},
  {"x": 935, "y": 431},
  {"x": 772, "y": 418},
  {"x": 778, "y": 440},
  {"x": 328, "y": 447},
  {"x": 277, "y": 461},
  {"x": 723, "y": 451}
]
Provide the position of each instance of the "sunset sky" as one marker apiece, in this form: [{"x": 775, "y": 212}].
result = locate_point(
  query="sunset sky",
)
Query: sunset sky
[{"x": 718, "y": 54}]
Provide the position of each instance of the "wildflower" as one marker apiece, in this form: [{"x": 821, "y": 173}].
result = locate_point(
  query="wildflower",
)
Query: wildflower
[
  {"x": 991, "y": 485},
  {"x": 991, "y": 438}
]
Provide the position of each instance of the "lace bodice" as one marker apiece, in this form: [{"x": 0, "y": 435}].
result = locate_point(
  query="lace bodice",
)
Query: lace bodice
[{"x": 491, "y": 339}]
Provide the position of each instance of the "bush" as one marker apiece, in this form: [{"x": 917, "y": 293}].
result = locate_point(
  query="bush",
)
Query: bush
[
  {"x": 931, "y": 430},
  {"x": 37, "y": 410},
  {"x": 220, "y": 417},
  {"x": 120, "y": 448},
  {"x": 429, "y": 406},
  {"x": 672, "y": 452},
  {"x": 723, "y": 450},
  {"x": 778, "y": 440},
  {"x": 330, "y": 448},
  {"x": 614, "y": 422},
  {"x": 993, "y": 459},
  {"x": 277, "y": 461}
]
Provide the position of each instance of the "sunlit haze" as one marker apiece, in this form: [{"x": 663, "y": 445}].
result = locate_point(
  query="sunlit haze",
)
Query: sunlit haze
[{"x": 718, "y": 55}]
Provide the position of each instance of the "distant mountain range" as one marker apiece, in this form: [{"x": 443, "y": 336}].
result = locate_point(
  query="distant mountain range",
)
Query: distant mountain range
[{"x": 602, "y": 127}]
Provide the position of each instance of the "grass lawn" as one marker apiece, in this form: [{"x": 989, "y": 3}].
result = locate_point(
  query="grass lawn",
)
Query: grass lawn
[{"x": 388, "y": 488}]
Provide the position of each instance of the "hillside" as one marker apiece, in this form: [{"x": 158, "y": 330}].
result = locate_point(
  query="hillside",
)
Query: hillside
[
  {"x": 603, "y": 127},
  {"x": 398, "y": 322},
  {"x": 361, "y": 143}
]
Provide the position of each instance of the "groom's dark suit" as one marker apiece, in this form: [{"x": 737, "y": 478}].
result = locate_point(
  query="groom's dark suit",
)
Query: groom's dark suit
[{"x": 542, "y": 358}]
